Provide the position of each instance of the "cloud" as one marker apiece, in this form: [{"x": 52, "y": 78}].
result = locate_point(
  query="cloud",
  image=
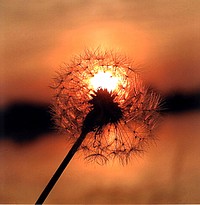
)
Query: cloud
[{"x": 39, "y": 35}]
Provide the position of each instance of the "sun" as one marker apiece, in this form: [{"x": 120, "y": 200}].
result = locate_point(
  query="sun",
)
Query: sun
[{"x": 104, "y": 80}]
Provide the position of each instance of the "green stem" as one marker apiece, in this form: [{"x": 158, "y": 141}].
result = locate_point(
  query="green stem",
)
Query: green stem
[{"x": 61, "y": 168}]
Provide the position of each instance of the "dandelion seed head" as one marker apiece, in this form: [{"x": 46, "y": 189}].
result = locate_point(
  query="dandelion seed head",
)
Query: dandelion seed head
[{"x": 103, "y": 93}]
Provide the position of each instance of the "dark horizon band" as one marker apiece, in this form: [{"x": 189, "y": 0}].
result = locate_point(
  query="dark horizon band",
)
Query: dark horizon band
[{"x": 25, "y": 121}]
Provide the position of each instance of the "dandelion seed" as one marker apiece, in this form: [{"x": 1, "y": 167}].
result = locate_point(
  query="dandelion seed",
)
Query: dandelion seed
[
  {"x": 106, "y": 86},
  {"x": 104, "y": 108}
]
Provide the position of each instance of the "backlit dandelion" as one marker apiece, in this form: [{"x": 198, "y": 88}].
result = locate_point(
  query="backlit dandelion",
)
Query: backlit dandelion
[
  {"x": 103, "y": 107},
  {"x": 106, "y": 87}
]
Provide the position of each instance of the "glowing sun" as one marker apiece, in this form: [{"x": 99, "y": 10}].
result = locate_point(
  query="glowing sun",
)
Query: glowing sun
[{"x": 104, "y": 80}]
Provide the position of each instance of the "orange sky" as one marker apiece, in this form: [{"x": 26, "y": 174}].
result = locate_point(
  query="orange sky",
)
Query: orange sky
[
  {"x": 168, "y": 173},
  {"x": 162, "y": 37}
]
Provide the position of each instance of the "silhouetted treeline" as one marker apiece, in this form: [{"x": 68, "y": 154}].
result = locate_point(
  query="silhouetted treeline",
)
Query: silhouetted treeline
[
  {"x": 178, "y": 103},
  {"x": 23, "y": 122}
]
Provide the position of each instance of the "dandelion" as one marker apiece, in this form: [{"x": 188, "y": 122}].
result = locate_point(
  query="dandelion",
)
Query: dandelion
[
  {"x": 102, "y": 93},
  {"x": 103, "y": 106}
]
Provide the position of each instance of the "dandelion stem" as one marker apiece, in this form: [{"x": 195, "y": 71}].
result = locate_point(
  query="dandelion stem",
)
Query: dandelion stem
[{"x": 61, "y": 168}]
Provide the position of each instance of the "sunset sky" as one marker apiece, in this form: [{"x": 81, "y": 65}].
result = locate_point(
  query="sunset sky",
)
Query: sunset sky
[{"x": 163, "y": 39}]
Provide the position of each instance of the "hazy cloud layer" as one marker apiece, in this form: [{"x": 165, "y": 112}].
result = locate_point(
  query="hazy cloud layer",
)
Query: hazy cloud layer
[{"x": 161, "y": 36}]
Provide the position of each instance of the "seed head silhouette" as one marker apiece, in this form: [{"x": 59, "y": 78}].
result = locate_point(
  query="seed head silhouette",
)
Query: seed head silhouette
[
  {"x": 103, "y": 107},
  {"x": 121, "y": 111}
]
